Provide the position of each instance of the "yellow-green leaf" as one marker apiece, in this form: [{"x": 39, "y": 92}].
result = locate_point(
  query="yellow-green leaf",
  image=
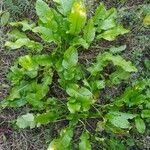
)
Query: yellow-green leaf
[
  {"x": 111, "y": 34},
  {"x": 146, "y": 20},
  {"x": 25, "y": 25},
  {"x": 77, "y": 18}
]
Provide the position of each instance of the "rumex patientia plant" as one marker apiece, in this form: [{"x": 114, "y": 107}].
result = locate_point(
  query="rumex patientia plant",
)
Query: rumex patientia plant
[{"x": 68, "y": 27}]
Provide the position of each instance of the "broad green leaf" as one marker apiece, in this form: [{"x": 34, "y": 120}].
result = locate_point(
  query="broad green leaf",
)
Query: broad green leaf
[
  {"x": 103, "y": 59},
  {"x": 111, "y": 34},
  {"x": 63, "y": 142},
  {"x": 140, "y": 125},
  {"x": 78, "y": 41},
  {"x": 17, "y": 44},
  {"x": 5, "y": 18},
  {"x": 24, "y": 42},
  {"x": 46, "y": 118},
  {"x": 115, "y": 144},
  {"x": 147, "y": 64},
  {"x": 15, "y": 74},
  {"x": 89, "y": 31},
  {"x": 25, "y": 121},
  {"x": 100, "y": 13},
  {"x": 73, "y": 106},
  {"x": 130, "y": 142},
  {"x": 81, "y": 96},
  {"x": 85, "y": 143},
  {"x": 119, "y": 119},
  {"x": 145, "y": 114},
  {"x": 146, "y": 20},
  {"x": 97, "y": 84},
  {"x": 64, "y": 6},
  {"x": 14, "y": 93},
  {"x": 111, "y": 13},
  {"x": 46, "y": 33},
  {"x": 117, "y": 76},
  {"x": 15, "y": 103},
  {"x": 16, "y": 34},
  {"x": 118, "y": 61},
  {"x": 77, "y": 18},
  {"x": 69, "y": 74},
  {"x": 120, "y": 122},
  {"x": 74, "y": 91},
  {"x": 26, "y": 62},
  {"x": 119, "y": 49},
  {"x": 106, "y": 24},
  {"x": 25, "y": 25},
  {"x": 43, "y": 11},
  {"x": 34, "y": 100},
  {"x": 70, "y": 58},
  {"x": 42, "y": 60},
  {"x": 47, "y": 76}
]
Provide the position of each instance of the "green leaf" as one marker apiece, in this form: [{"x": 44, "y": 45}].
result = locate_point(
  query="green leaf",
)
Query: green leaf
[
  {"x": 77, "y": 18},
  {"x": 25, "y": 121},
  {"x": 15, "y": 74},
  {"x": 119, "y": 49},
  {"x": 118, "y": 61},
  {"x": 73, "y": 106},
  {"x": 14, "y": 93},
  {"x": 100, "y": 13},
  {"x": 145, "y": 114},
  {"x": 84, "y": 144},
  {"x": 43, "y": 11},
  {"x": 89, "y": 31},
  {"x": 115, "y": 144},
  {"x": 34, "y": 100},
  {"x": 46, "y": 33},
  {"x": 43, "y": 60},
  {"x": 117, "y": 76},
  {"x": 46, "y": 118},
  {"x": 140, "y": 125},
  {"x": 15, "y": 103},
  {"x": 26, "y": 62},
  {"x": 109, "y": 22},
  {"x": 5, "y": 18},
  {"x": 81, "y": 96},
  {"x": 111, "y": 34},
  {"x": 78, "y": 41},
  {"x": 97, "y": 84},
  {"x": 70, "y": 58},
  {"x": 24, "y": 42},
  {"x": 106, "y": 24},
  {"x": 119, "y": 119},
  {"x": 103, "y": 59},
  {"x": 64, "y": 141},
  {"x": 147, "y": 64},
  {"x": 16, "y": 34},
  {"x": 64, "y": 6},
  {"x": 25, "y": 25}
]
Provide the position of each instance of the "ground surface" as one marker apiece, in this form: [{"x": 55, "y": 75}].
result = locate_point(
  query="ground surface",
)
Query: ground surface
[{"x": 138, "y": 48}]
